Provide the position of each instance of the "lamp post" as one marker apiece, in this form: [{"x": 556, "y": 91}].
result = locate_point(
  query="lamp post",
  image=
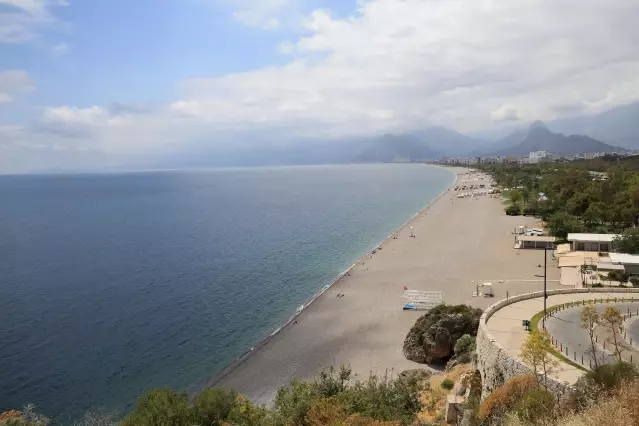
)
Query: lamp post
[{"x": 548, "y": 246}]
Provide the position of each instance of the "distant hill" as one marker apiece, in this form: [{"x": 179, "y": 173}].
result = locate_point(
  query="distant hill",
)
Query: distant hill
[
  {"x": 540, "y": 138},
  {"x": 424, "y": 145},
  {"x": 397, "y": 148},
  {"x": 618, "y": 126},
  {"x": 450, "y": 142}
]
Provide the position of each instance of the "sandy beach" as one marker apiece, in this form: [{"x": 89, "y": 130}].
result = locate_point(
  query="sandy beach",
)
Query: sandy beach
[{"x": 458, "y": 243}]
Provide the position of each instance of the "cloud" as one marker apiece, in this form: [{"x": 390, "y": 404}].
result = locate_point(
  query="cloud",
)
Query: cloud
[
  {"x": 505, "y": 113},
  {"x": 406, "y": 64},
  {"x": 61, "y": 49},
  {"x": 13, "y": 83},
  {"x": 393, "y": 65},
  {"x": 263, "y": 14},
  {"x": 21, "y": 20}
]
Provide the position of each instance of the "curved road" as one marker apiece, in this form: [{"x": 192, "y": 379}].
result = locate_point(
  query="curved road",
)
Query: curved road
[{"x": 565, "y": 327}]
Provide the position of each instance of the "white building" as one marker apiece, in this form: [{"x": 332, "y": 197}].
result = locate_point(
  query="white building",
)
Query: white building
[
  {"x": 537, "y": 156},
  {"x": 592, "y": 242}
]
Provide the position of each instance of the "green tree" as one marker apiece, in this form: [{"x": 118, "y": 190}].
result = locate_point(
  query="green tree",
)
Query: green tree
[
  {"x": 596, "y": 213},
  {"x": 612, "y": 319},
  {"x": 589, "y": 318},
  {"x": 515, "y": 196},
  {"x": 628, "y": 241},
  {"x": 561, "y": 224},
  {"x": 535, "y": 351}
]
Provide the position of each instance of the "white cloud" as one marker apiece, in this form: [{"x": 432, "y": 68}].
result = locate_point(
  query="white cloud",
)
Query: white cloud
[
  {"x": 14, "y": 83},
  {"x": 397, "y": 65},
  {"x": 21, "y": 20},
  {"x": 505, "y": 113},
  {"x": 404, "y": 64},
  {"x": 61, "y": 49},
  {"x": 264, "y": 14}
]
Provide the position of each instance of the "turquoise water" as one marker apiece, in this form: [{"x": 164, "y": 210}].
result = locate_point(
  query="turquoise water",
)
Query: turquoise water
[{"x": 112, "y": 284}]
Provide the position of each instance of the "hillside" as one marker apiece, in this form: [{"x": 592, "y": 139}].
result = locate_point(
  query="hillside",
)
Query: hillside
[
  {"x": 540, "y": 138},
  {"x": 396, "y": 148},
  {"x": 618, "y": 126}
]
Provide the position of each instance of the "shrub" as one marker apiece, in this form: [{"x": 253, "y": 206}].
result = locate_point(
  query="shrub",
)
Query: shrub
[
  {"x": 506, "y": 397},
  {"x": 464, "y": 348},
  {"x": 610, "y": 376},
  {"x": 334, "y": 395},
  {"x": 448, "y": 384},
  {"x": 513, "y": 210},
  {"x": 160, "y": 407},
  {"x": 26, "y": 417},
  {"x": 536, "y": 406},
  {"x": 634, "y": 281},
  {"x": 530, "y": 211}
]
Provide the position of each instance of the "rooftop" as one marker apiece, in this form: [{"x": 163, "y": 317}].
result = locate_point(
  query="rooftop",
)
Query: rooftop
[
  {"x": 626, "y": 259},
  {"x": 539, "y": 239},
  {"x": 601, "y": 238}
]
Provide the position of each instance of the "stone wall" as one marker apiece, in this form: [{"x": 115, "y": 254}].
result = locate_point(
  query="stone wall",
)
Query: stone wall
[{"x": 494, "y": 363}]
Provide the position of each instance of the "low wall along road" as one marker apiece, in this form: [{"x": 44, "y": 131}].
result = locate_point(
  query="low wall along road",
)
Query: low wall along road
[{"x": 501, "y": 334}]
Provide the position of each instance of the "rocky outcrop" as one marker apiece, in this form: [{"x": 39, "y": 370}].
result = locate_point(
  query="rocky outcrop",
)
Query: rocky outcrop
[{"x": 432, "y": 339}]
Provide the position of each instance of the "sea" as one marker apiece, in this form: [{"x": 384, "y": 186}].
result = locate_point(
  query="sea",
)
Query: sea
[{"x": 115, "y": 283}]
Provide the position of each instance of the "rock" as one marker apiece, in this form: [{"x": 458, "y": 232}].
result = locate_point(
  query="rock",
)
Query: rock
[{"x": 432, "y": 339}]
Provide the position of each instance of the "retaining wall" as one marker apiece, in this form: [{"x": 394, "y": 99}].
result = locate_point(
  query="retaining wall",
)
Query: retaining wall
[{"x": 493, "y": 362}]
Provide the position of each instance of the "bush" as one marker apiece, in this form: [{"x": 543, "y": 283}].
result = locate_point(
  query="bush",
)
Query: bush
[
  {"x": 506, "y": 397},
  {"x": 513, "y": 210},
  {"x": 634, "y": 281},
  {"x": 26, "y": 417},
  {"x": 530, "y": 211},
  {"x": 448, "y": 384},
  {"x": 536, "y": 406},
  {"x": 161, "y": 407},
  {"x": 611, "y": 376},
  {"x": 464, "y": 349},
  {"x": 333, "y": 395},
  {"x": 620, "y": 276}
]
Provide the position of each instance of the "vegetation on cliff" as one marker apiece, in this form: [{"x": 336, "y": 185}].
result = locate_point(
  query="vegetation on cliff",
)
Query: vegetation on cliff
[
  {"x": 333, "y": 398},
  {"x": 434, "y": 336}
]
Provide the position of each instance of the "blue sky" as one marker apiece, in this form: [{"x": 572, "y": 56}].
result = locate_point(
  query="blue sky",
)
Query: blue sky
[
  {"x": 97, "y": 83},
  {"x": 133, "y": 51}
]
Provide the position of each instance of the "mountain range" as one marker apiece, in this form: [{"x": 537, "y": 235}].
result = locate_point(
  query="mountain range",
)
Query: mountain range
[
  {"x": 616, "y": 130},
  {"x": 611, "y": 131}
]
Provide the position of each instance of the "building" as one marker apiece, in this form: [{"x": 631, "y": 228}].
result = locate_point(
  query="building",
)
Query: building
[
  {"x": 534, "y": 242},
  {"x": 592, "y": 242},
  {"x": 630, "y": 262},
  {"x": 538, "y": 156}
]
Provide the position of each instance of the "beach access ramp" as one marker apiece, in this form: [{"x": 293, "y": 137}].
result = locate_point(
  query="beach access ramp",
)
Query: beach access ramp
[{"x": 419, "y": 300}]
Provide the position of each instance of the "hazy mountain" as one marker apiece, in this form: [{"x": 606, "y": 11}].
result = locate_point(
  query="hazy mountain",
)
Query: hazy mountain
[
  {"x": 427, "y": 144},
  {"x": 540, "y": 138},
  {"x": 450, "y": 142},
  {"x": 618, "y": 126},
  {"x": 513, "y": 139},
  {"x": 397, "y": 148}
]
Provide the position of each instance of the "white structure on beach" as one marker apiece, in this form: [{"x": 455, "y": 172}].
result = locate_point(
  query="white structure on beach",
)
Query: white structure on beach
[
  {"x": 630, "y": 262},
  {"x": 534, "y": 242},
  {"x": 592, "y": 242}
]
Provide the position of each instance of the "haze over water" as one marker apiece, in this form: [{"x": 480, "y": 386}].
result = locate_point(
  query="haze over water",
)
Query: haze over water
[{"x": 111, "y": 284}]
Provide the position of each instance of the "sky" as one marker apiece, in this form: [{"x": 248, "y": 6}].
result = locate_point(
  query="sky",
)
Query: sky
[{"x": 96, "y": 84}]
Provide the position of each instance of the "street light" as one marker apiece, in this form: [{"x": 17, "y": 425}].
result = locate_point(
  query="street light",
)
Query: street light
[{"x": 548, "y": 246}]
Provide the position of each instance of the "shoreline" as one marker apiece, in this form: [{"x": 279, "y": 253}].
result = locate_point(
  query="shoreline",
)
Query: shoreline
[
  {"x": 358, "y": 320},
  {"x": 231, "y": 367}
]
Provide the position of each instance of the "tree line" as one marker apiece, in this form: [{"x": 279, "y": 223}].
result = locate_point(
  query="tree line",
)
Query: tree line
[{"x": 598, "y": 196}]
